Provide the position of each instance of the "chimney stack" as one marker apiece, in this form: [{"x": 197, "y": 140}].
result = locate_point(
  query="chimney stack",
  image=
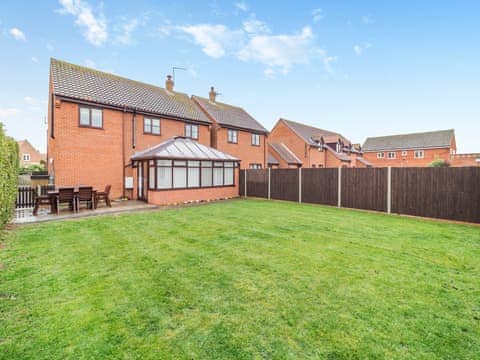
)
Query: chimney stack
[
  {"x": 169, "y": 83},
  {"x": 212, "y": 94}
]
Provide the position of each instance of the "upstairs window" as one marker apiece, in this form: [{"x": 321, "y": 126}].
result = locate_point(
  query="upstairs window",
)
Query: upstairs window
[
  {"x": 255, "y": 140},
  {"x": 419, "y": 154},
  {"x": 404, "y": 153},
  {"x": 151, "y": 126},
  {"x": 91, "y": 117},
  {"x": 380, "y": 155},
  {"x": 232, "y": 136},
  {"x": 339, "y": 148},
  {"x": 191, "y": 131},
  {"x": 26, "y": 157},
  {"x": 392, "y": 155},
  {"x": 255, "y": 166}
]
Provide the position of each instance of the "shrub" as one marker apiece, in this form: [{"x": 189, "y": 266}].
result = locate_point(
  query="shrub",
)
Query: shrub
[
  {"x": 32, "y": 168},
  {"x": 8, "y": 175},
  {"x": 439, "y": 163}
]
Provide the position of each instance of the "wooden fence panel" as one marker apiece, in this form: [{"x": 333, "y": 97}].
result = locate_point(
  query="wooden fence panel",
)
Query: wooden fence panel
[
  {"x": 241, "y": 183},
  {"x": 26, "y": 197},
  {"x": 284, "y": 184},
  {"x": 320, "y": 186},
  {"x": 257, "y": 183},
  {"x": 365, "y": 188},
  {"x": 445, "y": 193}
]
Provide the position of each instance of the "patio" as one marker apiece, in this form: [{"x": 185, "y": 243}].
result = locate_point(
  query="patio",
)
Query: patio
[{"x": 25, "y": 216}]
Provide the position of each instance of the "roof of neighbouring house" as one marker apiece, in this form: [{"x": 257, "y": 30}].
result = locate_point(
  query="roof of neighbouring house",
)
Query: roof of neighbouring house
[
  {"x": 424, "y": 140},
  {"x": 182, "y": 148},
  {"x": 310, "y": 133},
  {"x": 229, "y": 115},
  {"x": 285, "y": 153},
  {"x": 363, "y": 161},
  {"x": 272, "y": 160},
  {"x": 82, "y": 83}
]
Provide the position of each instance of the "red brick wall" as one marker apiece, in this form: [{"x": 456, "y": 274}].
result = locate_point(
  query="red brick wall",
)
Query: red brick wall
[
  {"x": 26, "y": 148},
  {"x": 409, "y": 160},
  {"x": 181, "y": 196},
  {"x": 244, "y": 150},
  {"x": 94, "y": 156},
  {"x": 281, "y": 133},
  {"x": 465, "y": 160}
]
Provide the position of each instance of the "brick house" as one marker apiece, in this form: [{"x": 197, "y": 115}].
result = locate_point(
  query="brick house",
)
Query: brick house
[
  {"x": 410, "y": 150},
  {"x": 98, "y": 121},
  {"x": 293, "y": 144},
  {"x": 472, "y": 159},
  {"x": 235, "y": 131},
  {"x": 28, "y": 155}
]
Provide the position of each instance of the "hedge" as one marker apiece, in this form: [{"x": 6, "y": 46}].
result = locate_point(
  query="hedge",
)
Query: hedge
[{"x": 8, "y": 175}]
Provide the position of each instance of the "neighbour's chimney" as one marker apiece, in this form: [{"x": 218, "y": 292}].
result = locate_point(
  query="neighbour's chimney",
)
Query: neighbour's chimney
[
  {"x": 169, "y": 83},
  {"x": 212, "y": 94}
]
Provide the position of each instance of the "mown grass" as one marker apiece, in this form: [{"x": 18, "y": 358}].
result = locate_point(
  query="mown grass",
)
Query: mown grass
[{"x": 241, "y": 280}]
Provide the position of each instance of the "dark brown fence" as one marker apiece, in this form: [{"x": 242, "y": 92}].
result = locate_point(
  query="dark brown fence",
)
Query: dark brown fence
[
  {"x": 445, "y": 193},
  {"x": 284, "y": 184},
  {"x": 26, "y": 196}
]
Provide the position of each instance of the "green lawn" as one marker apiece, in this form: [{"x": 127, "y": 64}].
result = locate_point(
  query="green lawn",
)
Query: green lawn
[{"x": 241, "y": 280}]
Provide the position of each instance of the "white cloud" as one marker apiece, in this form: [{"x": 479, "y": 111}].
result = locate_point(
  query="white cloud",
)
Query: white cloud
[
  {"x": 34, "y": 59},
  {"x": 359, "y": 49},
  {"x": 214, "y": 39},
  {"x": 368, "y": 19},
  {"x": 95, "y": 24},
  {"x": 255, "y": 26},
  {"x": 279, "y": 51},
  {"x": 90, "y": 63},
  {"x": 17, "y": 34},
  {"x": 49, "y": 47},
  {"x": 33, "y": 101},
  {"x": 126, "y": 29},
  {"x": 317, "y": 15},
  {"x": 241, "y": 5},
  {"x": 6, "y": 113}
]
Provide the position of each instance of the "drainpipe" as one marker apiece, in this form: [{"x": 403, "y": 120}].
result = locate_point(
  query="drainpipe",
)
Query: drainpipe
[
  {"x": 123, "y": 151},
  {"x": 134, "y": 123}
]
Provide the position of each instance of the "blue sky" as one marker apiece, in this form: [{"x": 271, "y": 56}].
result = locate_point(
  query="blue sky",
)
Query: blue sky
[{"x": 363, "y": 69}]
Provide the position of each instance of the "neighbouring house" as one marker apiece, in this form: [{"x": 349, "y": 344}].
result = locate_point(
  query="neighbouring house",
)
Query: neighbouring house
[
  {"x": 410, "y": 150},
  {"x": 29, "y": 155},
  {"x": 99, "y": 121},
  {"x": 293, "y": 145},
  {"x": 235, "y": 131},
  {"x": 472, "y": 159}
]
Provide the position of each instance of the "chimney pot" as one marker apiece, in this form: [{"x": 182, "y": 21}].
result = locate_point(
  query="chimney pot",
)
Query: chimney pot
[
  {"x": 212, "y": 94},
  {"x": 169, "y": 83}
]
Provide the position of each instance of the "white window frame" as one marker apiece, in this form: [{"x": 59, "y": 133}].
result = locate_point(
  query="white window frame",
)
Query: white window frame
[
  {"x": 392, "y": 155},
  {"x": 151, "y": 126},
  {"x": 255, "y": 139},
  {"x": 380, "y": 155},
  {"x": 404, "y": 153},
  {"x": 232, "y": 136},
  {"x": 190, "y": 132},
  {"x": 419, "y": 154},
  {"x": 26, "y": 157}
]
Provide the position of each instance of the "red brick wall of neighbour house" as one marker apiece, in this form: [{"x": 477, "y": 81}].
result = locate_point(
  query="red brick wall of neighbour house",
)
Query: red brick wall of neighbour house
[
  {"x": 409, "y": 160},
  {"x": 281, "y": 133},
  {"x": 333, "y": 162},
  {"x": 165, "y": 197},
  {"x": 244, "y": 150},
  {"x": 316, "y": 158},
  {"x": 459, "y": 160},
  {"x": 94, "y": 156},
  {"x": 35, "y": 156}
]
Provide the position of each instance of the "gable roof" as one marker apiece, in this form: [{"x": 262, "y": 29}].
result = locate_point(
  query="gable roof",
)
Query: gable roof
[
  {"x": 272, "y": 160},
  {"x": 229, "y": 115},
  {"x": 424, "y": 140},
  {"x": 285, "y": 153},
  {"x": 182, "y": 148},
  {"x": 82, "y": 83}
]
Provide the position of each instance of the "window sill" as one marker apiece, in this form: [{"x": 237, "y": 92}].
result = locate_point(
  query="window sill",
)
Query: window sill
[
  {"x": 91, "y": 127},
  {"x": 148, "y": 133}
]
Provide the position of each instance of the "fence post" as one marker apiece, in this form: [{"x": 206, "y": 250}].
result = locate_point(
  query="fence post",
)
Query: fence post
[
  {"x": 245, "y": 177},
  {"x": 339, "y": 202},
  {"x": 269, "y": 179},
  {"x": 299, "y": 184},
  {"x": 389, "y": 190}
]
